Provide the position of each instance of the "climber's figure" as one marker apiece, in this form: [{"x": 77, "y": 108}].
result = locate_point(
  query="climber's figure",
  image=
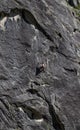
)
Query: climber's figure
[{"x": 40, "y": 68}]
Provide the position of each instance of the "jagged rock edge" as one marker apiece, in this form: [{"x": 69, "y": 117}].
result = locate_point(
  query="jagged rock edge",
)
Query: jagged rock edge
[
  {"x": 32, "y": 21},
  {"x": 57, "y": 124}
]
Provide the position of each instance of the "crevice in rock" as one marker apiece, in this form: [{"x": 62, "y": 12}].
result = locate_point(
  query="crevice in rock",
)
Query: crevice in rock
[
  {"x": 3, "y": 77},
  {"x": 59, "y": 34},
  {"x": 33, "y": 113},
  {"x": 72, "y": 59},
  {"x": 57, "y": 124},
  {"x": 66, "y": 55},
  {"x": 79, "y": 63},
  {"x": 32, "y": 91},
  {"x": 73, "y": 3},
  {"x": 19, "y": 125},
  {"x": 30, "y": 19},
  {"x": 62, "y": 53},
  {"x": 71, "y": 70},
  {"x": 4, "y": 94},
  {"x": 76, "y": 30},
  {"x": 53, "y": 49},
  {"x": 58, "y": 50},
  {"x": 36, "y": 83}
]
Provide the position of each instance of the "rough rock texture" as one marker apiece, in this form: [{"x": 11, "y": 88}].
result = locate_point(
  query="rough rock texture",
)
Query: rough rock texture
[
  {"x": 74, "y": 3},
  {"x": 34, "y": 32}
]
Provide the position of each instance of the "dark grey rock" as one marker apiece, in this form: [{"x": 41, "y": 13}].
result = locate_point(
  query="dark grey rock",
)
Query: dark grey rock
[
  {"x": 74, "y": 3},
  {"x": 33, "y": 33}
]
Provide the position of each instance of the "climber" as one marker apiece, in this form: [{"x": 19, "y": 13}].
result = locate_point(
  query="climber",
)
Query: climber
[{"x": 40, "y": 68}]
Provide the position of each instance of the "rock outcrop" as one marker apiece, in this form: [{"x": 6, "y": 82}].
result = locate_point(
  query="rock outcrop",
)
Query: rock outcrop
[
  {"x": 74, "y": 3},
  {"x": 32, "y": 33}
]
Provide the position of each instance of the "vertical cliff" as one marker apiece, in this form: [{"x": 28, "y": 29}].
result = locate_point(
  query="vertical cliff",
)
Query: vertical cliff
[{"x": 34, "y": 33}]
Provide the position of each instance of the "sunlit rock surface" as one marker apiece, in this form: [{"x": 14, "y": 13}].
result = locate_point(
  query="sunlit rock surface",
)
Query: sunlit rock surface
[{"x": 32, "y": 33}]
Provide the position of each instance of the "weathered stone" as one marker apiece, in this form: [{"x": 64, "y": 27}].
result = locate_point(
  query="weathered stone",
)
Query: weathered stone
[
  {"x": 36, "y": 32},
  {"x": 74, "y": 3}
]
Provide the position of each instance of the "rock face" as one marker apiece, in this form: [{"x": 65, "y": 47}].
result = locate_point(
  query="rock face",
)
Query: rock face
[
  {"x": 74, "y": 2},
  {"x": 33, "y": 32}
]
